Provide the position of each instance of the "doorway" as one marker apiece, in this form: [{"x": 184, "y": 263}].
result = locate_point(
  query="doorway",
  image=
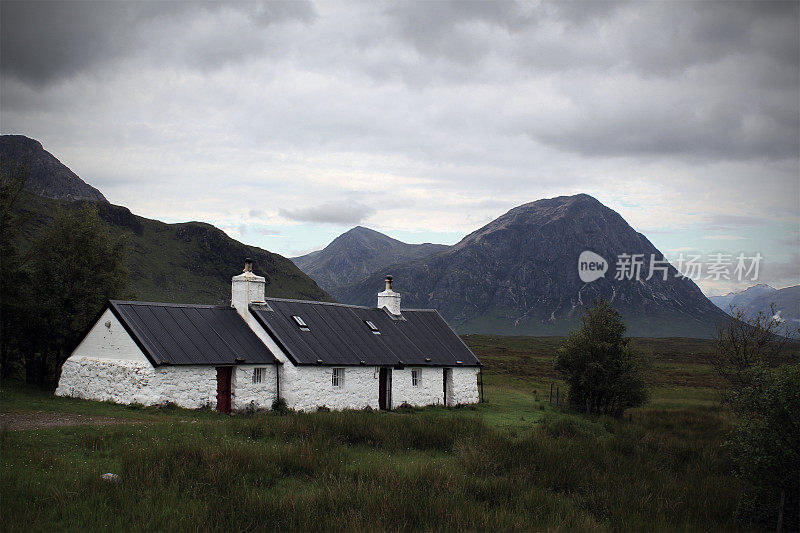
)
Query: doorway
[
  {"x": 224, "y": 389},
  {"x": 447, "y": 386},
  {"x": 385, "y": 389}
]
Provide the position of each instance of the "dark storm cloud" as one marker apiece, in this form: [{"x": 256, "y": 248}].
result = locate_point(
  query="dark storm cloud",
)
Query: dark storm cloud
[
  {"x": 330, "y": 213},
  {"x": 231, "y": 105},
  {"x": 42, "y": 41}
]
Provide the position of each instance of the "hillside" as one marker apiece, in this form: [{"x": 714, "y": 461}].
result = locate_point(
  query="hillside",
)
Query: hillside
[
  {"x": 358, "y": 253},
  {"x": 190, "y": 262},
  {"x": 46, "y": 175},
  {"x": 518, "y": 276}
]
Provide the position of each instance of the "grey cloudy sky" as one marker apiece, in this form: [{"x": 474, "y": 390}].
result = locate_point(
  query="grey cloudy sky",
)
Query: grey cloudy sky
[{"x": 286, "y": 123}]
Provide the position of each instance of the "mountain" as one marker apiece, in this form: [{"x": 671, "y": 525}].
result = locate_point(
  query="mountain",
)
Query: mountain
[
  {"x": 190, "y": 262},
  {"x": 357, "y": 253},
  {"x": 743, "y": 298},
  {"x": 47, "y": 176},
  {"x": 518, "y": 275},
  {"x": 761, "y": 298}
]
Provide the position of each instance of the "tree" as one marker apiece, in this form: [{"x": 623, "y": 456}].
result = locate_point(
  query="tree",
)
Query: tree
[
  {"x": 603, "y": 373},
  {"x": 764, "y": 396},
  {"x": 75, "y": 267},
  {"x": 14, "y": 302},
  {"x": 744, "y": 344}
]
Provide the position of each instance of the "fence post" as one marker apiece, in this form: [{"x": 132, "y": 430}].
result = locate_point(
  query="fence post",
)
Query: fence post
[
  {"x": 558, "y": 396},
  {"x": 551, "y": 394}
]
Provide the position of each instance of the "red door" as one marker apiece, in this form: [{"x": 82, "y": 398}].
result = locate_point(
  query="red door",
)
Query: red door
[{"x": 224, "y": 389}]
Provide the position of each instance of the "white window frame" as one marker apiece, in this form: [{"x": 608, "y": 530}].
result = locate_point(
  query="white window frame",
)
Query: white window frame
[
  {"x": 258, "y": 375},
  {"x": 416, "y": 377},
  {"x": 337, "y": 378}
]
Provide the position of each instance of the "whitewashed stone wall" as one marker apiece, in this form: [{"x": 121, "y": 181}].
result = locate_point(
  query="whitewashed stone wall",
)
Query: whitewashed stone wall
[
  {"x": 465, "y": 385},
  {"x": 131, "y": 381},
  {"x": 247, "y": 394},
  {"x": 311, "y": 387},
  {"x": 428, "y": 392}
]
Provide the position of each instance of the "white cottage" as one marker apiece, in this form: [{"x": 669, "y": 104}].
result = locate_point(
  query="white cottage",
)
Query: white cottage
[{"x": 259, "y": 350}]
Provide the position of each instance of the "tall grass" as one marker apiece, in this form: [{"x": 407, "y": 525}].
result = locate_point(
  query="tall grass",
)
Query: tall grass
[{"x": 357, "y": 470}]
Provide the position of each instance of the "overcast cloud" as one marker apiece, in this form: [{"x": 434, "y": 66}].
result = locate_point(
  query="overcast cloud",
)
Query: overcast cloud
[{"x": 423, "y": 120}]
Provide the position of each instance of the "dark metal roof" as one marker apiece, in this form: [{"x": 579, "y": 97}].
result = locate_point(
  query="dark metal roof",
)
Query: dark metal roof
[
  {"x": 182, "y": 334},
  {"x": 338, "y": 335}
]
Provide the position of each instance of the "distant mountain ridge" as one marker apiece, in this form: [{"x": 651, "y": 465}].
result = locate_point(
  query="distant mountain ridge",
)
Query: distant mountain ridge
[
  {"x": 190, "y": 262},
  {"x": 761, "y": 299},
  {"x": 741, "y": 299},
  {"x": 518, "y": 275},
  {"x": 358, "y": 253},
  {"x": 47, "y": 176}
]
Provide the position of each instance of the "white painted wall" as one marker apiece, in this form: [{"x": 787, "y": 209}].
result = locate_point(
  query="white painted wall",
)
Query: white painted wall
[
  {"x": 111, "y": 342},
  {"x": 246, "y": 393},
  {"x": 465, "y": 385},
  {"x": 130, "y": 381},
  {"x": 428, "y": 392},
  {"x": 311, "y": 387}
]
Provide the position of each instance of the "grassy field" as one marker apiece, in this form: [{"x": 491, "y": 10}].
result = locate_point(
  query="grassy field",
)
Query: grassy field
[{"x": 514, "y": 462}]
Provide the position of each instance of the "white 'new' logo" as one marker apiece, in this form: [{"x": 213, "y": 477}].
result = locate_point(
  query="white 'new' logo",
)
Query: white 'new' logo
[{"x": 591, "y": 266}]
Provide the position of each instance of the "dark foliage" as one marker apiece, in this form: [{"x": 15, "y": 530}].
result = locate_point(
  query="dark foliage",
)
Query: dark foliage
[
  {"x": 603, "y": 373},
  {"x": 765, "y": 398},
  {"x": 51, "y": 294}
]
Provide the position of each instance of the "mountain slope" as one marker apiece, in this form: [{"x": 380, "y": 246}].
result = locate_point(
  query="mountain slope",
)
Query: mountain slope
[
  {"x": 761, "y": 298},
  {"x": 518, "y": 275},
  {"x": 743, "y": 298},
  {"x": 191, "y": 262},
  {"x": 47, "y": 176},
  {"x": 358, "y": 253},
  {"x": 185, "y": 263}
]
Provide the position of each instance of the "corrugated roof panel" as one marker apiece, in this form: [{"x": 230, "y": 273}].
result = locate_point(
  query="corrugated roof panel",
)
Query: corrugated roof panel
[
  {"x": 338, "y": 336},
  {"x": 179, "y": 334}
]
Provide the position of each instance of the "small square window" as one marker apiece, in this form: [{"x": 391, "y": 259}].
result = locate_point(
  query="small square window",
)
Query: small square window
[
  {"x": 258, "y": 375},
  {"x": 337, "y": 378},
  {"x": 372, "y": 327},
  {"x": 416, "y": 377}
]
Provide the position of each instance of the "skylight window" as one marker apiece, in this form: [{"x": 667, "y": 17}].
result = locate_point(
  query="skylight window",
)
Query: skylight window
[
  {"x": 300, "y": 323},
  {"x": 373, "y": 328}
]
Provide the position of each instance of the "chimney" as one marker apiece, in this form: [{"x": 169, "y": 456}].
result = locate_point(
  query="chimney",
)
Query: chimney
[
  {"x": 246, "y": 288},
  {"x": 389, "y": 299}
]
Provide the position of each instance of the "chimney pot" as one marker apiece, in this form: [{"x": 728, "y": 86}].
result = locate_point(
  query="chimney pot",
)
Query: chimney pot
[
  {"x": 248, "y": 265},
  {"x": 389, "y": 299}
]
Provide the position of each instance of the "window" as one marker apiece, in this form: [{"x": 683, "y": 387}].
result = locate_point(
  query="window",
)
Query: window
[
  {"x": 337, "y": 378},
  {"x": 300, "y": 323},
  {"x": 416, "y": 377},
  {"x": 258, "y": 375},
  {"x": 372, "y": 327}
]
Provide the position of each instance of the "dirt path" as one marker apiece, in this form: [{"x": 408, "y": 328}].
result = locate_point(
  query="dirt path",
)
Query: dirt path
[{"x": 18, "y": 420}]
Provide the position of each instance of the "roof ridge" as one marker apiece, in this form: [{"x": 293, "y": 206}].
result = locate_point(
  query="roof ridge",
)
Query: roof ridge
[
  {"x": 292, "y": 300},
  {"x": 169, "y": 304},
  {"x": 338, "y": 304}
]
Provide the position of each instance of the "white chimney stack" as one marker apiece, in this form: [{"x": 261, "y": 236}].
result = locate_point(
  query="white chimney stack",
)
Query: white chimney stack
[
  {"x": 247, "y": 288},
  {"x": 389, "y": 299}
]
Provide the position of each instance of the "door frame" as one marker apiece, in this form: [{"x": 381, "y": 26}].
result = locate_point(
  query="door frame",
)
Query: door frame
[
  {"x": 447, "y": 386},
  {"x": 385, "y": 388},
  {"x": 224, "y": 389}
]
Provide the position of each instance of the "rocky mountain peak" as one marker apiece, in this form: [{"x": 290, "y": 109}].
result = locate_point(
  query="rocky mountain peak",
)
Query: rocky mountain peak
[
  {"x": 519, "y": 275},
  {"x": 45, "y": 175}
]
